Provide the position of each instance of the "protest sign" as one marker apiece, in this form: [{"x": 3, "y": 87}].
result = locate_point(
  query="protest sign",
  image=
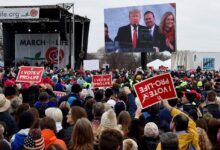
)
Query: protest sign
[
  {"x": 102, "y": 81},
  {"x": 30, "y": 74},
  {"x": 152, "y": 90},
  {"x": 59, "y": 94},
  {"x": 91, "y": 64}
]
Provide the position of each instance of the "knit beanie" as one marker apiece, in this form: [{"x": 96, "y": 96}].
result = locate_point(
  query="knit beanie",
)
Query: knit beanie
[
  {"x": 130, "y": 144},
  {"x": 151, "y": 130},
  {"x": 34, "y": 141},
  {"x": 111, "y": 102},
  {"x": 108, "y": 119}
]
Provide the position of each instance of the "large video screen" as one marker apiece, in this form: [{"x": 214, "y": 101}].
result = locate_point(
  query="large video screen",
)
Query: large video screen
[{"x": 149, "y": 28}]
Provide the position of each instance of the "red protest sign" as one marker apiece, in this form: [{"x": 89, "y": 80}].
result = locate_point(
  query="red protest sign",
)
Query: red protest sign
[
  {"x": 59, "y": 94},
  {"x": 151, "y": 90},
  {"x": 30, "y": 74},
  {"x": 102, "y": 81}
]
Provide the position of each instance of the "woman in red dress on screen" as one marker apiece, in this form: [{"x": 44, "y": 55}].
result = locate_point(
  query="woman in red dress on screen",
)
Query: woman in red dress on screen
[{"x": 167, "y": 27}]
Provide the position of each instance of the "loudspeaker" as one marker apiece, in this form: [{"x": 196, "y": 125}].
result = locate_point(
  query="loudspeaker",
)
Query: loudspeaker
[{"x": 63, "y": 28}]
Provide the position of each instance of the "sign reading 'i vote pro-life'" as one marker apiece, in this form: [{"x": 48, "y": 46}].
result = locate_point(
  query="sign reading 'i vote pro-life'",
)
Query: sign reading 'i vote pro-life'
[
  {"x": 30, "y": 74},
  {"x": 152, "y": 90}
]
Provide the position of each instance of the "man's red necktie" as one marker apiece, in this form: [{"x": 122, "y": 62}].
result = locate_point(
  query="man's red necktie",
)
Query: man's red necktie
[{"x": 134, "y": 38}]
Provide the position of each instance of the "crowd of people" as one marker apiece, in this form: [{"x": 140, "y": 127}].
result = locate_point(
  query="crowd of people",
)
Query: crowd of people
[{"x": 32, "y": 117}]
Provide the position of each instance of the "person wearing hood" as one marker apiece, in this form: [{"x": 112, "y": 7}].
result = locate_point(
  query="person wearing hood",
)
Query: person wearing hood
[
  {"x": 48, "y": 131},
  {"x": 25, "y": 122},
  {"x": 184, "y": 127}
]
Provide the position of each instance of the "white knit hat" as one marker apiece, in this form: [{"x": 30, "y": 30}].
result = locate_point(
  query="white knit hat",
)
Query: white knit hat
[
  {"x": 111, "y": 102},
  {"x": 54, "y": 113},
  {"x": 109, "y": 120},
  {"x": 151, "y": 130},
  {"x": 130, "y": 144}
]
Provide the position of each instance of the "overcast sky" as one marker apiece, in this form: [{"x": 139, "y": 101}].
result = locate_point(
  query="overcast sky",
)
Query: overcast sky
[{"x": 198, "y": 21}]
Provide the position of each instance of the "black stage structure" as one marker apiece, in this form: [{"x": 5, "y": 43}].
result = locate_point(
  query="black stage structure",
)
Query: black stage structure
[{"x": 52, "y": 19}]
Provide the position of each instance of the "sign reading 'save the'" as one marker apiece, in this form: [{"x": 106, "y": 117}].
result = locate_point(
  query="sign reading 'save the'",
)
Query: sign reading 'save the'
[{"x": 19, "y": 13}]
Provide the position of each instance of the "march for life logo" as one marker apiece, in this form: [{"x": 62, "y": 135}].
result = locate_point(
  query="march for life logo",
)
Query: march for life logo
[
  {"x": 102, "y": 81},
  {"x": 30, "y": 74},
  {"x": 152, "y": 90}
]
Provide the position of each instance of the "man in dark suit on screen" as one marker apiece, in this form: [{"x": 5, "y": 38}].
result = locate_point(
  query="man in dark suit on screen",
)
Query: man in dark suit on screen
[
  {"x": 157, "y": 36},
  {"x": 133, "y": 37}
]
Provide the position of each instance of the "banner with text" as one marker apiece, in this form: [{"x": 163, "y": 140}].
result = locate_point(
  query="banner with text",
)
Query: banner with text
[
  {"x": 40, "y": 48},
  {"x": 59, "y": 94},
  {"x": 102, "y": 81},
  {"x": 19, "y": 13},
  {"x": 30, "y": 74},
  {"x": 152, "y": 90}
]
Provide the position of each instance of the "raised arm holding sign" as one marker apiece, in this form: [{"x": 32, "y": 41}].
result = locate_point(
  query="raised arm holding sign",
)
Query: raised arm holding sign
[{"x": 152, "y": 90}]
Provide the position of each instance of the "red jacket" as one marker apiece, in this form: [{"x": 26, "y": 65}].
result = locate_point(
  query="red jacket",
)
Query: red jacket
[{"x": 50, "y": 138}]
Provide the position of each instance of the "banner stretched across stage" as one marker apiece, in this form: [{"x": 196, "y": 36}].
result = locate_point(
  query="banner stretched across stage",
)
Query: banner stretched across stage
[{"x": 41, "y": 47}]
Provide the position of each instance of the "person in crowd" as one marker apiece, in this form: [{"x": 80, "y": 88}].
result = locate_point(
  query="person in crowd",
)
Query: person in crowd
[
  {"x": 154, "y": 30},
  {"x": 25, "y": 122},
  {"x": 202, "y": 129},
  {"x": 167, "y": 27},
  {"x": 130, "y": 102},
  {"x": 44, "y": 103},
  {"x": 211, "y": 105},
  {"x": 124, "y": 122},
  {"x": 111, "y": 139},
  {"x": 73, "y": 96},
  {"x": 184, "y": 127},
  {"x": 169, "y": 141},
  {"x": 82, "y": 137},
  {"x": 56, "y": 114},
  {"x": 151, "y": 137},
  {"x": 22, "y": 108},
  {"x": 129, "y": 144},
  {"x": 132, "y": 36},
  {"x": 2, "y": 130},
  {"x": 74, "y": 114},
  {"x": 97, "y": 110},
  {"x": 48, "y": 130},
  {"x": 5, "y": 117}
]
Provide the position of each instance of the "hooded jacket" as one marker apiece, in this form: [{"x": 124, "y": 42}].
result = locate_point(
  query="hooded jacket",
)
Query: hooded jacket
[
  {"x": 186, "y": 139},
  {"x": 17, "y": 140},
  {"x": 50, "y": 138}
]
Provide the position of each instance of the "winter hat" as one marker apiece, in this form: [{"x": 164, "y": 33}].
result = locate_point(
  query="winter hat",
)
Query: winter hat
[
  {"x": 34, "y": 141},
  {"x": 130, "y": 144},
  {"x": 183, "y": 84},
  {"x": 54, "y": 113},
  {"x": 9, "y": 83},
  {"x": 4, "y": 103},
  {"x": 138, "y": 77},
  {"x": 199, "y": 84},
  {"x": 111, "y": 102},
  {"x": 151, "y": 130},
  {"x": 25, "y": 85},
  {"x": 108, "y": 119}
]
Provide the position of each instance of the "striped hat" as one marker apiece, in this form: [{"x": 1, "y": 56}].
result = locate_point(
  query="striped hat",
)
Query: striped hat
[{"x": 34, "y": 141}]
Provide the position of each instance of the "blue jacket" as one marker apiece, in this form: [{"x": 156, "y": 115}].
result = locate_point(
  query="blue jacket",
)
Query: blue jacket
[{"x": 18, "y": 142}]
